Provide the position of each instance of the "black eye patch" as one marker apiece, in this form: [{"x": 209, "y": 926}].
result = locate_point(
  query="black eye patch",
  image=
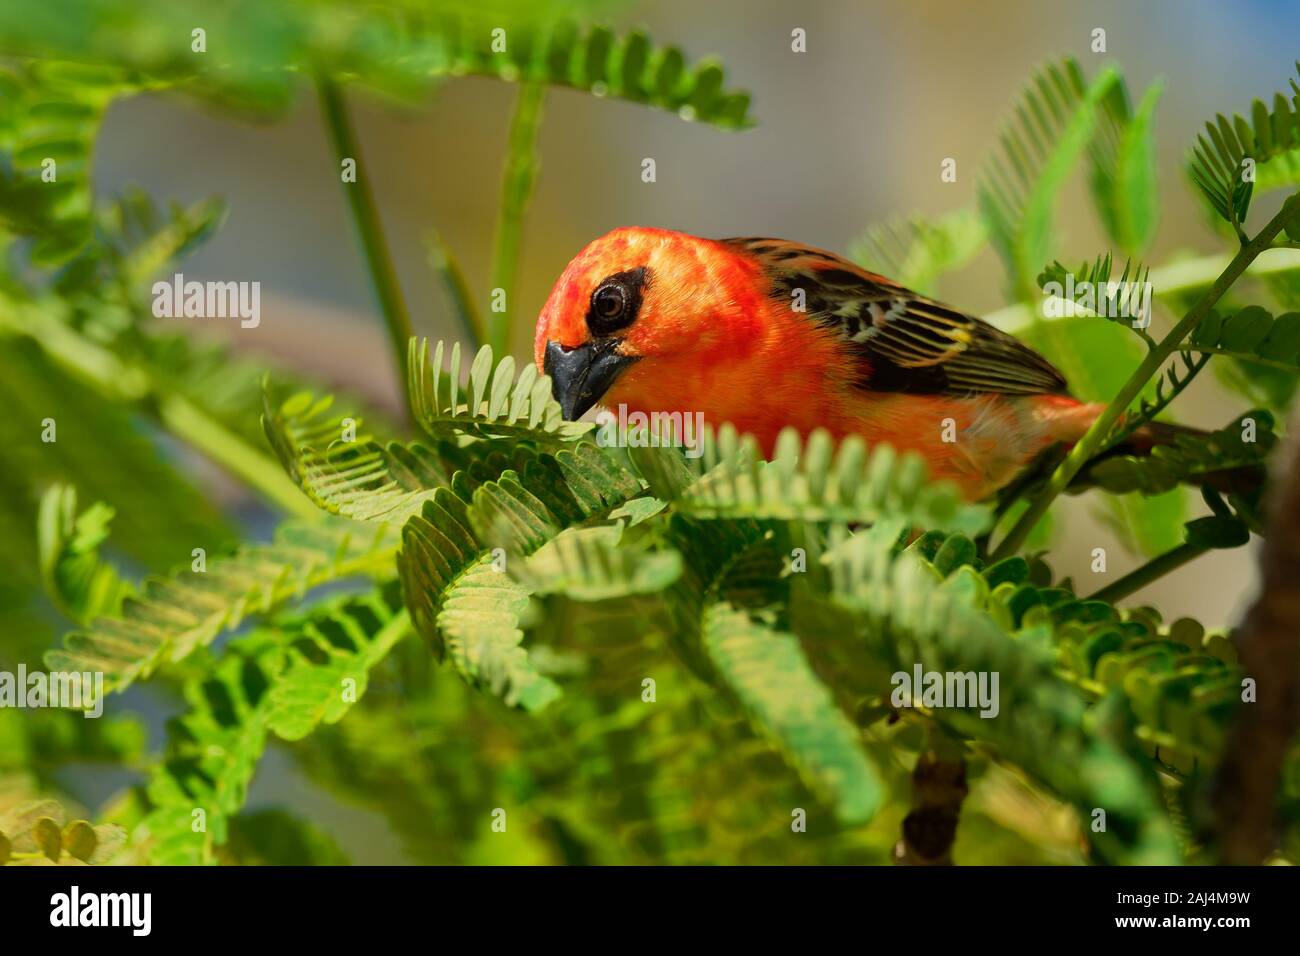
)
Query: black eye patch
[{"x": 615, "y": 301}]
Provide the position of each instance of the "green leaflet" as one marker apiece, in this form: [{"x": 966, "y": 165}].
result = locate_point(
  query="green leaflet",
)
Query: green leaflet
[
  {"x": 1189, "y": 459},
  {"x": 915, "y": 251},
  {"x": 456, "y": 551},
  {"x": 174, "y": 615},
  {"x": 396, "y": 48},
  {"x": 1053, "y": 125},
  {"x": 496, "y": 402},
  {"x": 285, "y": 677},
  {"x": 805, "y": 482},
  {"x": 211, "y": 756},
  {"x": 770, "y": 675},
  {"x": 50, "y": 113},
  {"x": 1252, "y": 336},
  {"x": 910, "y": 614},
  {"x": 343, "y": 470},
  {"x": 39, "y": 832},
  {"x": 1178, "y": 679},
  {"x": 479, "y": 621},
  {"x": 329, "y": 662},
  {"x": 1095, "y": 290},
  {"x": 463, "y": 603},
  {"x": 1219, "y": 161},
  {"x": 1123, "y": 175},
  {"x": 588, "y": 564},
  {"x": 86, "y": 586}
]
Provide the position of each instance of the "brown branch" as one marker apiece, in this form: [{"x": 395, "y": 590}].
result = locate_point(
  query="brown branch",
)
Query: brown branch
[
  {"x": 938, "y": 789},
  {"x": 1268, "y": 645}
]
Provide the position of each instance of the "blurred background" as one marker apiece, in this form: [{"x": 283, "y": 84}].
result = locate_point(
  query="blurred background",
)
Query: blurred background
[{"x": 851, "y": 132}]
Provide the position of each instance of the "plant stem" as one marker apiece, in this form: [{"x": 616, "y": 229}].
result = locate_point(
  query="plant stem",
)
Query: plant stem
[
  {"x": 1150, "y": 366},
  {"x": 113, "y": 378},
  {"x": 219, "y": 443},
  {"x": 1153, "y": 570},
  {"x": 361, "y": 200},
  {"x": 448, "y": 269},
  {"x": 1240, "y": 357},
  {"x": 518, "y": 179}
]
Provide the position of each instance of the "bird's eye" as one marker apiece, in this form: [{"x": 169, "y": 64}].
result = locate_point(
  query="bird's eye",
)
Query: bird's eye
[
  {"x": 609, "y": 302},
  {"x": 616, "y": 302}
]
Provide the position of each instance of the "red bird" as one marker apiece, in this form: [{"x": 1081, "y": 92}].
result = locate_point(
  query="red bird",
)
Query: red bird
[{"x": 766, "y": 333}]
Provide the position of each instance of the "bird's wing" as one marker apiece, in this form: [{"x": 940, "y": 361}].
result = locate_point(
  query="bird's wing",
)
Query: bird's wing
[{"x": 906, "y": 342}]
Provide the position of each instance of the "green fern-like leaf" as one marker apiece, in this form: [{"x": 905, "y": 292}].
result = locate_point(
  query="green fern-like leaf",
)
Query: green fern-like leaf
[
  {"x": 1190, "y": 458},
  {"x": 1123, "y": 173},
  {"x": 85, "y": 586},
  {"x": 345, "y": 471},
  {"x": 598, "y": 61},
  {"x": 51, "y": 112},
  {"x": 212, "y": 754},
  {"x": 462, "y": 601},
  {"x": 771, "y": 677},
  {"x": 141, "y": 238},
  {"x": 174, "y": 615},
  {"x": 1091, "y": 286},
  {"x": 1178, "y": 679},
  {"x": 1251, "y": 335},
  {"x": 1217, "y": 164},
  {"x": 395, "y": 47},
  {"x": 495, "y": 402},
  {"x": 911, "y": 611},
  {"x": 328, "y": 658},
  {"x": 455, "y": 552},
  {"x": 479, "y": 620},
  {"x": 285, "y": 677},
  {"x": 1053, "y": 125},
  {"x": 810, "y": 481},
  {"x": 916, "y": 251},
  {"x": 590, "y": 564}
]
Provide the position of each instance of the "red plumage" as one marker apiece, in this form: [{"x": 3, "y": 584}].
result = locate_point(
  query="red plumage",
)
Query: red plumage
[{"x": 765, "y": 334}]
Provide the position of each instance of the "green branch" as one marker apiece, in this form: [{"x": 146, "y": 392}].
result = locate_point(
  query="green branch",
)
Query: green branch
[
  {"x": 118, "y": 380},
  {"x": 365, "y": 213},
  {"x": 1153, "y": 570},
  {"x": 1096, "y": 435},
  {"x": 516, "y": 192}
]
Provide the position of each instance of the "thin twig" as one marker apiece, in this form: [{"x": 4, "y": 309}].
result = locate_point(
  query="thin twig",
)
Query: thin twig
[
  {"x": 361, "y": 200},
  {"x": 1152, "y": 570},
  {"x": 517, "y": 183}
]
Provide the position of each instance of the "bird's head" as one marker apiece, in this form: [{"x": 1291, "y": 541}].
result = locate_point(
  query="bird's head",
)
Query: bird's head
[{"x": 639, "y": 308}]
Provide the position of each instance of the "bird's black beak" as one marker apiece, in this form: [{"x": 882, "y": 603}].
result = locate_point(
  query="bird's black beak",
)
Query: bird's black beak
[{"x": 581, "y": 375}]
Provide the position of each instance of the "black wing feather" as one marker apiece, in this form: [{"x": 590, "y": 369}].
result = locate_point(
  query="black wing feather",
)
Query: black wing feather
[{"x": 907, "y": 342}]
